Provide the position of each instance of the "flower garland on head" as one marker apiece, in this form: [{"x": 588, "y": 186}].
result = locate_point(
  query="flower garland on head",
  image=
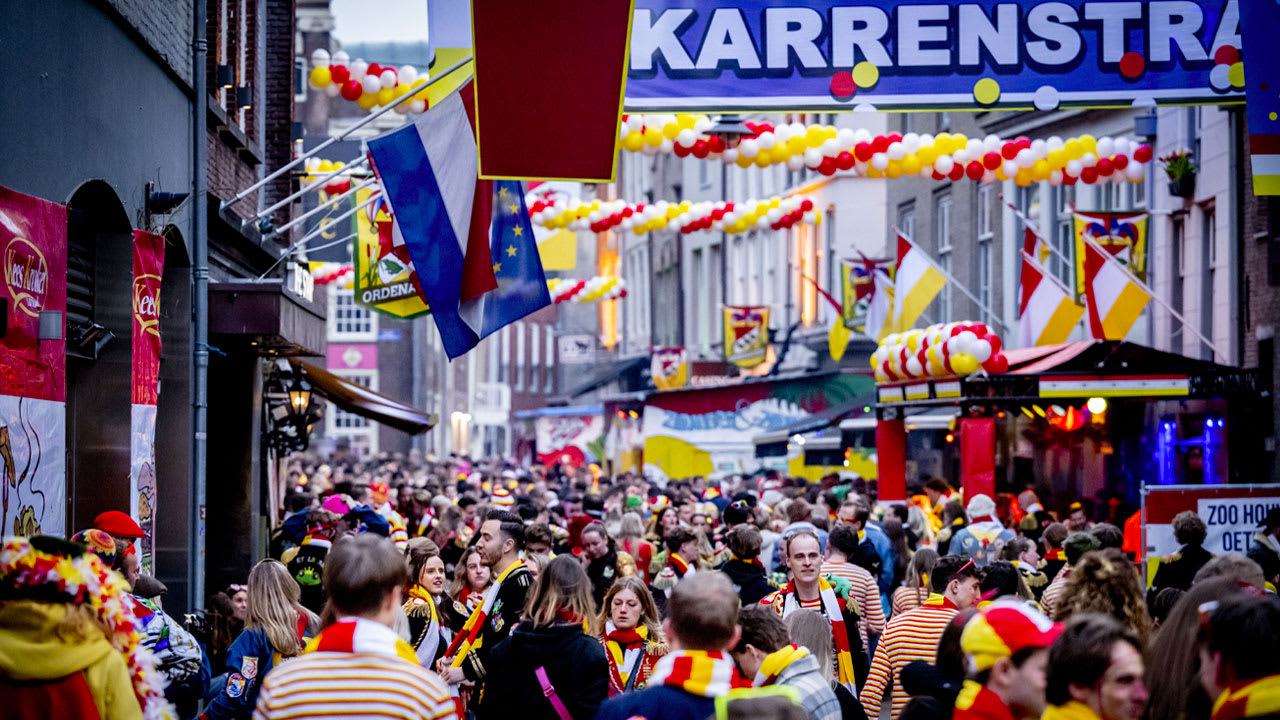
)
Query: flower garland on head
[{"x": 90, "y": 583}]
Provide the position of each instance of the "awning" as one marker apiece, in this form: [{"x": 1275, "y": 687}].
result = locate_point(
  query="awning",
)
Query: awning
[
  {"x": 558, "y": 411},
  {"x": 365, "y": 402},
  {"x": 816, "y": 421}
]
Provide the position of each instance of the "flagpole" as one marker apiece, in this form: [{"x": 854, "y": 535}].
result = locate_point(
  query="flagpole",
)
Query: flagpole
[
  {"x": 345, "y": 133},
  {"x": 319, "y": 182},
  {"x": 951, "y": 279},
  {"x": 339, "y": 219},
  {"x": 289, "y": 253},
  {"x": 322, "y": 206},
  {"x": 1152, "y": 294}
]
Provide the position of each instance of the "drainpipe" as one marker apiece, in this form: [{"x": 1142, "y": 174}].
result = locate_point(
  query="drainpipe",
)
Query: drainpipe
[{"x": 199, "y": 302}]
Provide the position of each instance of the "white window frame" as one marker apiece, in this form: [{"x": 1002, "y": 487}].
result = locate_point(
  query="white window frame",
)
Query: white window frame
[
  {"x": 942, "y": 206},
  {"x": 340, "y": 327},
  {"x": 535, "y": 357},
  {"x": 551, "y": 364},
  {"x": 518, "y": 385},
  {"x": 339, "y": 423},
  {"x": 906, "y": 223}
]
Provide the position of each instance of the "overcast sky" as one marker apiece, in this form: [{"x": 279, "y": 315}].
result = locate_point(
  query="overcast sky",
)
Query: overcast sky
[{"x": 372, "y": 21}]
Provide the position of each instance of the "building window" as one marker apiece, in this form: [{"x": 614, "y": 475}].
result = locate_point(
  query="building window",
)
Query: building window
[
  {"x": 908, "y": 122},
  {"x": 349, "y": 321},
  {"x": 942, "y": 235},
  {"x": 519, "y": 379},
  {"x": 504, "y": 356},
  {"x": 1064, "y": 232},
  {"x": 985, "y": 236},
  {"x": 491, "y": 350},
  {"x": 944, "y": 121},
  {"x": 300, "y": 82},
  {"x": 1208, "y": 252},
  {"x": 551, "y": 364},
  {"x": 906, "y": 223},
  {"x": 535, "y": 357},
  {"x": 704, "y": 175},
  {"x": 700, "y": 311},
  {"x": 1177, "y": 247},
  {"x": 358, "y": 430},
  {"x": 807, "y": 255}
]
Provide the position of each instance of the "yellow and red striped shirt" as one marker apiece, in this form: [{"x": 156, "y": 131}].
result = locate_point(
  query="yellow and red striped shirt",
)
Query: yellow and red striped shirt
[
  {"x": 911, "y": 636},
  {"x": 333, "y": 684},
  {"x": 865, "y": 594},
  {"x": 1051, "y": 593},
  {"x": 908, "y": 598}
]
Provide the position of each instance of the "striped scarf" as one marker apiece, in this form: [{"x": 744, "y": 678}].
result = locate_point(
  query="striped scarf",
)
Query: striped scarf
[
  {"x": 622, "y": 646},
  {"x": 467, "y": 638},
  {"x": 697, "y": 672},
  {"x": 774, "y": 663},
  {"x": 830, "y": 608},
  {"x": 428, "y": 642},
  {"x": 678, "y": 564},
  {"x": 357, "y": 635},
  {"x": 1257, "y": 698}
]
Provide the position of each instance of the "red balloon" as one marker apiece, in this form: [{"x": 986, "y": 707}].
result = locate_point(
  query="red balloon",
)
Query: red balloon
[
  {"x": 828, "y": 166},
  {"x": 884, "y": 366},
  {"x": 728, "y": 207},
  {"x": 627, "y": 212},
  {"x": 1009, "y": 150},
  {"x": 807, "y": 205},
  {"x": 622, "y": 293},
  {"x": 1023, "y": 142},
  {"x": 996, "y": 364},
  {"x": 995, "y": 343},
  {"x": 845, "y": 161},
  {"x": 700, "y": 149},
  {"x": 991, "y": 160},
  {"x": 863, "y": 151},
  {"x": 1143, "y": 153},
  {"x": 1104, "y": 167},
  {"x": 1069, "y": 179},
  {"x": 1089, "y": 175},
  {"x": 957, "y": 172},
  {"x": 339, "y": 73},
  {"x": 716, "y": 144},
  {"x": 895, "y": 137},
  {"x": 974, "y": 170},
  {"x": 922, "y": 357},
  {"x": 1120, "y": 162},
  {"x": 351, "y": 90},
  {"x": 374, "y": 69},
  {"x": 938, "y": 176},
  {"x": 681, "y": 151},
  {"x": 880, "y": 144}
]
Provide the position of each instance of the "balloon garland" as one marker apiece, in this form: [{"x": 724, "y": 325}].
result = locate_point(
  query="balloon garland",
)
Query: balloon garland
[
  {"x": 944, "y": 156},
  {"x": 368, "y": 85},
  {"x": 599, "y": 287},
  {"x": 315, "y": 167},
  {"x": 776, "y": 213},
  {"x": 941, "y": 350},
  {"x": 327, "y": 273}
]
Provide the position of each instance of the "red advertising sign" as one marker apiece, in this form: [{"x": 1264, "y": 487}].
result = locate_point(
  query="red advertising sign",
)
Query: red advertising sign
[
  {"x": 148, "y": 264},
  {"x": 33, "y": 240}
]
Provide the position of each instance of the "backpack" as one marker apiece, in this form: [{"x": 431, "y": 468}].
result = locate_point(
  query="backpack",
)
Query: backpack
[{"x": 307, "y": 567}]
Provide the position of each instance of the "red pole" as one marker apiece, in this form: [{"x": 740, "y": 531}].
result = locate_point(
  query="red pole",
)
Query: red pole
[{"x": 891, "y": 460}]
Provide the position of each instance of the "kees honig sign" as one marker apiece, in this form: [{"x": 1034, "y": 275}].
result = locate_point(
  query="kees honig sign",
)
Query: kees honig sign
[{"x": 838, "y": 55}]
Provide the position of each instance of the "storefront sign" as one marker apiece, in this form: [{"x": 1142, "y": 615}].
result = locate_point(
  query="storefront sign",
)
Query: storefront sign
[
  {"x": 385, "y": 279},
  {"x": 838, "y": 54},
  {"x": 341, "y": 356},
  {"x": 1231, "y": 513},
  {"x": 575, "y": 439},
  {"x": 576, "y": 349},
  {"x": 33, "y": 240},
  {"x": 148, "y": 266},
  {"x": 1258, "y": 23}
]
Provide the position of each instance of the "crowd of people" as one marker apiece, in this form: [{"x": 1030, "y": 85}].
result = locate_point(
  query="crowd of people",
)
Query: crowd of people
[{"x": 461, "y": 591}]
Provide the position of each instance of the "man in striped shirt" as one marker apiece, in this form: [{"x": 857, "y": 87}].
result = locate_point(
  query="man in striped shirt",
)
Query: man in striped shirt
[
  {"x": 914, "y": 635},
  {"x": 358, "y": 666},
  {"x": 842, "y": 543}
]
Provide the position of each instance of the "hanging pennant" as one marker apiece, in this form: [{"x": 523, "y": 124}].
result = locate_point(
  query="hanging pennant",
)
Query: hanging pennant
[{"x": 746, "y": 334}]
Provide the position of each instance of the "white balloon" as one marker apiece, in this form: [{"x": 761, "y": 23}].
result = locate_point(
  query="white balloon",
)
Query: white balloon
[
  {"x": 667, "y": 145},
  {"x": 896, "y": 151},
  {"x": 1055, "y": 177},
  {"x": 944, "y": 163},
  {"x": 407, "y": 74},
  {"x": 1134, "y": 171},
  {"x": 1106, "y": 147},
  {"x": 797, "y": 128},
  {"x": 358, "y": 68},
  {"x": 975, "y": 147},
  {"x": 967, "y": 339},
  {"x": 401, "y": 109},
  {"x": 320, "y": 57},
  {"x": 774, "y": 214},
  {"x": 332, "y": 90},
  {"x": 1039, "y": 148},
  {"x": 1055, "y": 142},
  {"x": 830, "y": 148},
  {"x": 748, "y": 148},
  {"x": 766, "y": 140},
  {"x": 341, "y": 58},
  {"x": 913, "y": 366},
  {"x": 810, "y": 217},
  {"x": 1010, "y": 168},
  {"x": 1074, "y": 167},
  {"x": 991, "y": 143},
  {"x": 388, "y": 78},
  {"x": 370, "y": 84},
  {"x": 861, "y": 135},
  {"x": 926, "y": 172},
  {"x": 730, "y": 155},
  {"x": 961, "y": 156},
  {"x": 1025, "y": 158},
  {"x": 1088, "y": 160},
  {"x": 981, "y": 350},
  {"x": 880, "y": 161},
  {"x": 845, "y": 139},
  {"x": 812, "y": 158},
  {"x": 635, "y": 123},
  {"x": 687, "y": 138}
]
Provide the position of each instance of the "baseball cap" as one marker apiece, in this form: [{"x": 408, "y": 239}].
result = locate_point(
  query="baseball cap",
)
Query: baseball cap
[
  {"x": 1004, "y": 628},
  {"x": 118, "y": 524}
]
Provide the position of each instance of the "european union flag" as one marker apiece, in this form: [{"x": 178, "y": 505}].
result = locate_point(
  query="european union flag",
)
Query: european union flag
[{"x": 522, "y": 285}]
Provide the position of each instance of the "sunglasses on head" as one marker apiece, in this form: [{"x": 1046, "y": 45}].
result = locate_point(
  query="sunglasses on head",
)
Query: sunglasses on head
[{"x": 237, "y": 588}]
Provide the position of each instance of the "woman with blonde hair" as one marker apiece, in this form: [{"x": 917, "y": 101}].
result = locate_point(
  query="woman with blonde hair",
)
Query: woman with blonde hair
[
  {"x": 1106, "y": 582},
  {"x": 536, "y": 563},
  {"x": 631, "y": 541},
  {"x": 631, "y": 633},
  {"x": 549, "y": 667},
  {"x": 470, "y": 579},
  {"x": 915, "y": 585},
  {"x": 276, "y": 628}
]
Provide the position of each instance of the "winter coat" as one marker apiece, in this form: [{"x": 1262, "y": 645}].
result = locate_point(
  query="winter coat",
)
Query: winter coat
[
  {"x": 1179, "y": 569},
  {"x": 750, "y": 580},
  {"x": 575, "y": 664},
  {"x": 44, "y": 674},
  {"x": 249, "y": 660},
  {"x": 508, "y": 606},
  {"x": 658, "y": 703}
]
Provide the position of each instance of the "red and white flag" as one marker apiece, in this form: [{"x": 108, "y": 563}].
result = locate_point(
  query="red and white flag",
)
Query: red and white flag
[
  {"x": 1115, "y": 298},
  {"x": 1048, "y": 314}
]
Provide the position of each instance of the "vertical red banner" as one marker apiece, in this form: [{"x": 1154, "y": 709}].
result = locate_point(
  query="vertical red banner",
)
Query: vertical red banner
[
  {"x": 148, "y": 265},
  {"x": 33, "y": 370},
  {"x": 891, "y": 461},
  {"x": 978, "y": 456}
]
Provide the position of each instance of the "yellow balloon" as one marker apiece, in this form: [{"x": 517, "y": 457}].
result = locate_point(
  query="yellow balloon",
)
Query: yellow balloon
[
  {"x": 633, "y": 142},
  {"x": 764, "y": 158},
  {"x": 367, "y": 101},
  {"x": 927, "y": 154},
  {"x": 873, "y": 173},
  {"x": 386, "y": 95},
  {"x": 913, "y": 342},
  {"x": 684, "y": 206},
  {"x": 1040, "y": 171},
  {"x": 671, "y": 130},
  {"x": 672, "y": 211},
  {"x": 685, "y": 122},
  {"x": 1073, "y": 149},
  {"x": 743, "y": 161},
  {"x": 894, "y": 170},
  {"x": 1023, "y": 178},
  {"x": 813, "y": 136},
  {"x": 942, "y": 143},
  {"x": 1089, "y": 144},
  {"x": 796, "y": 144},
  {"x": 653, "y": 136},
  {"x": 911, "y": 165},
  {"x": 321, "y": 77},
  {"x": 964, "y": 363},
  {"x": 1000, "y": 174},
  {"x": 817, "y": 218},
  {"x": 1057, "y": 159}
]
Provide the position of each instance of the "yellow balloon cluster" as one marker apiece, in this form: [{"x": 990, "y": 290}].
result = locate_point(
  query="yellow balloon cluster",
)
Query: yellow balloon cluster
[{"x": 776, "y": 213}]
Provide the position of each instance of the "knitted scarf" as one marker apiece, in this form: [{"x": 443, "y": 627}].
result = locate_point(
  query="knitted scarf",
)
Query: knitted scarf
[
  {"x": 357, "y": 635},
  {"x": 622, "y": 646},
  {"x": 465, "y": 641},
  {"x": 697, "y": 672},
  {"x": 1253, "y": 699},
  {"x": 830, "y": 608},
  {"x": 774, "y": 663},
  {"x": 975, "y": 702}
]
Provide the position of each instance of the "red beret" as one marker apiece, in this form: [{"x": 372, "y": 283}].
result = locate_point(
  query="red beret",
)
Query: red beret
[{"x": 118, "y": 524}]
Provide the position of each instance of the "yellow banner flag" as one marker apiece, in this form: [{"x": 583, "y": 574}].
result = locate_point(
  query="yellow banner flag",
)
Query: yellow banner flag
[
  {"x": 385, "y": 280},
  {"x": 746, "y": 334}
]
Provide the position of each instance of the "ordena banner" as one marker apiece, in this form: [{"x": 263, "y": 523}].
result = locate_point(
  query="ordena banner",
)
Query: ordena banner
[
  {"x": 746, "y": 334},
  {"x": 33, "y": 372},
  {"x": 385, "y": 279},
  {"x": 838, "y": 54},
  {"x": 1124, "y": 235},
  {"x": 148, "y": 265}
]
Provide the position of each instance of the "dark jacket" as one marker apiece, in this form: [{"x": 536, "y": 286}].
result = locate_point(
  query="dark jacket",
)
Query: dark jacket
[
  {"x": 602, "y": 571},
  {"x": 658, "y": 703},
  {"x": 1179, "y": 569},
  {"x": 249, "y": 660},
  {"x": 575, "y": 665},
  {"x": 750, "y": 580},
  {"x": 850, "y": 707},
  {"x": 507, "y": 609},
  {"x": 933, "y": 691}
]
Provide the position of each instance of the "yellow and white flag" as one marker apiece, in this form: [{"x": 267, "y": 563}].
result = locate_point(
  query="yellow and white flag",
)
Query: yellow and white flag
[
  {"x": 1116, "y": 298},
  {"x": 1048, "y": 314},
  {"x": 916, "y": 282}
]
